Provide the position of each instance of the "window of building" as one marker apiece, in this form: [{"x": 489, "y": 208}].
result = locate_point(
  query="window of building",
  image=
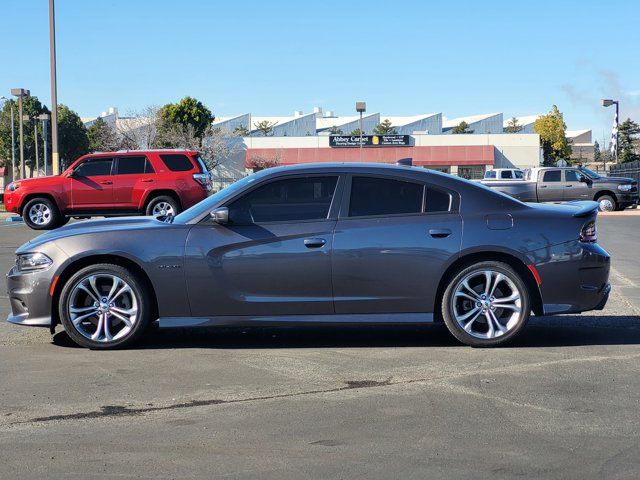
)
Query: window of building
[
  {"x": 177, "y": 162},
  {"x": 471, "y": 173},
  {"x": 132, "y": 165},
  {"x": 551, "y": 176},
  {"x": 292, "y": 199},
  {"x": 94, "y": 167},
  {"x": 384, "y": 196}
]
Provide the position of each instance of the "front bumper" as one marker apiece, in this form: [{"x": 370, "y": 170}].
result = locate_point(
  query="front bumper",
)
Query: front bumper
[
  {"x": 29, "y": 297},
  {"x": 628, "y": 199},
  {"x": 575, "y": 277}
]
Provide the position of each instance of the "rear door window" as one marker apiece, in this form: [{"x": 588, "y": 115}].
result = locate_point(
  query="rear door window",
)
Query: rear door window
[
  {"x": 437, "y": 201},
  {"x": 94, "y": 167},
  {"x": 507, "y": 174},
  {"x": 552, "y": 176},
  {"x": 176, "y": 162},
  {"x": 134, "y": 165},
  {"x": 384, "y": 196}
]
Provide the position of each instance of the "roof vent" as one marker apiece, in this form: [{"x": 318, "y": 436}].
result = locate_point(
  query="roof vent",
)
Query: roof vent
[
  {"x": 318, "y": 111},
  {"x": 297, "y": 113},
  {"x": 329, "y": 114}
]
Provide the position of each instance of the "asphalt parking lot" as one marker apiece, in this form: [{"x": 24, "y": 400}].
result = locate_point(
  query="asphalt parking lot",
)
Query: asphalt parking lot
[{"x": 377, "y": 402}]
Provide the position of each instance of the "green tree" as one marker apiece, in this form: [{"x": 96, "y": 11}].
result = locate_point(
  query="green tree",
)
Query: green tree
[
  {"x": 597, "y": 154},
  {"x": 628, "y": 133},
  {"x": 265, "y": 127},
  {"x": 462, "y": 127},
  {"x": 385, "y": 128},
  {"x": 356, "y": 133},
  {"x": 187, "y": 113},
  {"x": 241, "y": 131},
  {"x": 102, "y": 137},
  {"x": 335, "y": 131},
  {"x": 72, "y": 135},
  {"x": 512, "y": 126},
  {"x": 31, "y": 107},
  {"x": 552, "y": 131}
]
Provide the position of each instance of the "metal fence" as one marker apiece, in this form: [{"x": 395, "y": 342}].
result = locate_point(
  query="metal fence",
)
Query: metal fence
[{"x": 628, "y": 169}]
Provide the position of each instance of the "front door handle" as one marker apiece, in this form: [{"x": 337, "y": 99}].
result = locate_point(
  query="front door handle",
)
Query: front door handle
[
  {"x": 314, "y": 242},
  {"x": 568, "y": 186},
  {"x": 106, "y": 182},
  {"x": 147, "y": 180},
  {"x": 542, "y": 186},
  {"x": 439, "y": 232}
]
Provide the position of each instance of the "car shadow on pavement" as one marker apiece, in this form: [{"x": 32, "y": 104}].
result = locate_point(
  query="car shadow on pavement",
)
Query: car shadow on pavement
[{"x": 560, "y": 331}]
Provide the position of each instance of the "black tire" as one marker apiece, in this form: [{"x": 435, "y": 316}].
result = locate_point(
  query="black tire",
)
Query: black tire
[
  {"x": 63, "y": 220},
  {"x": 482, "y": 321},
  {"x": 48, "y": 218},
  {"x": 160, "y": 201},
  {"x": 606, "y": 203},
  {"x": 116, "y": 326}
]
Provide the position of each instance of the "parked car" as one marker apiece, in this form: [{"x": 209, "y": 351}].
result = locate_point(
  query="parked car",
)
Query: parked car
[
  {"x": 147, "y": 182},
  {"x": 551, "y": 184},
  {"x": 504, "y": 174},
  {"x": 319, "y": 244}
]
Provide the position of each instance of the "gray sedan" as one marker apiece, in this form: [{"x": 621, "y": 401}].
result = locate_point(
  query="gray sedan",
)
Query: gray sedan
[{"x": 321, "y": 244}]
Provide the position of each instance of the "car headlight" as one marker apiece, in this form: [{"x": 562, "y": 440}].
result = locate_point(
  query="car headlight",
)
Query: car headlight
[
  {"x": 27, "y": 262},
  {"x": 13, "y": 186},
  {"x": 625, "y": 188}
]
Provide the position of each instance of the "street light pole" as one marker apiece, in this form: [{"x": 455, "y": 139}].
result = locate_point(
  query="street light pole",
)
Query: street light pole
[
  {"x": 361, "y": 107},
  {"x": 55, "y": 160},
  {"x": 44, "y": 117},
  {"x": 608, "y": 103},
  {"x": 35, "y": 137}
]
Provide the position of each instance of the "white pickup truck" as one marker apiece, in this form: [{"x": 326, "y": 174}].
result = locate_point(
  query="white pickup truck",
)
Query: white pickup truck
[{"x": 504, "y": 174}]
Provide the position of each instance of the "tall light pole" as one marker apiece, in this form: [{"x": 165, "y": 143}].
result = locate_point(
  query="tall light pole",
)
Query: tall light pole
[
  {"x": 13, "y": 139},
  {"x": 608, "y": 103},
  {"x": 20, "y": 92},
  {"x": 44, "y": 117},
  {"x": 35, "y": 137},
  {"x": 55, "y": 159},
  {"x": 361, "y": 107}
]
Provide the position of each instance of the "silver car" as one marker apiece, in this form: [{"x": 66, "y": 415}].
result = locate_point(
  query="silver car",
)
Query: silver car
[{"x": 320, "y": 244}]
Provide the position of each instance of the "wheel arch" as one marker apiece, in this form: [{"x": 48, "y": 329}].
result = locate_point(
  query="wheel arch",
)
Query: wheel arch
[
  {"x": 79, "y": 263},
  {"x": 510, "y": 259},
  {"x": 605, "y": 192},
  {"x": 30, "y": 196},
  {"x": 158, "y": 193}
]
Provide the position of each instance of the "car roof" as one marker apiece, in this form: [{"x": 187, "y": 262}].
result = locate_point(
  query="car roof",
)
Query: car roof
[{"x": 151, "y": 150}]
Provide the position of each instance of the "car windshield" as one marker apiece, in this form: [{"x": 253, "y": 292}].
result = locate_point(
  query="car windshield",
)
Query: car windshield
[
  {"x": 590, "y": 173},
  {"x": 208, "y": 203}
]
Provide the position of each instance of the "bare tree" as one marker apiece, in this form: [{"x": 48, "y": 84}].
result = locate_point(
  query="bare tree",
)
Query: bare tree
[
  {"x": 139, "y": 129},
  {"x": 260, "y": 162}
]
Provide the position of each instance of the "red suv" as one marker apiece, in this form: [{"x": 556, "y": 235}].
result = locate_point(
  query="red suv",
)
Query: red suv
[{"x": 151, "y": 182}]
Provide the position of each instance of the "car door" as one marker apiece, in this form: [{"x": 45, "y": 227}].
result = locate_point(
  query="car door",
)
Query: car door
[
  {"x": 92, "y": 184},
  {"x": 391, "y": 244},
  {"x": 550, "y": 186},
  {"x": 574, "y": 189},
  {"x": 133, "y": 176},
  {"x": 273, "y": 257}
]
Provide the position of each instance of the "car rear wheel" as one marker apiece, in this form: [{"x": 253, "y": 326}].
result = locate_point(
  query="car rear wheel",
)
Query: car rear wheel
[
  {"x": 41, "y": 214},
  {"x": 162, "y": 205},
  {"x": 486, "y": 304},
  {"x": 606, "y": 203},
  {"x": 104, "y": 306}
]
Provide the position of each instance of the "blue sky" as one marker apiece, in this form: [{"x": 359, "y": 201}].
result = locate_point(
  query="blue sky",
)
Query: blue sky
[{"x": 402, "y": 57}]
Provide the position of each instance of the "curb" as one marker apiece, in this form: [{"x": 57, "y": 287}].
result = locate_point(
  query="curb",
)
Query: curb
[{"x": 13, "y": 219}]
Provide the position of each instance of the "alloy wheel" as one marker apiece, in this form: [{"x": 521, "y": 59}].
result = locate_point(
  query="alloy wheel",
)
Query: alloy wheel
[
  {"x": 487, "y": 304},
  {"x": 103, "y": 307},
  {"x": 40, "y": 214},
  {"x": 163, "y": 208},
  {"x": 606, "y": 205}
]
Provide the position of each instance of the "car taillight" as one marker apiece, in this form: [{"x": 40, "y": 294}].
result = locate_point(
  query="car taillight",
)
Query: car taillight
[
  {"x": 589, "y": 233},
  {"x": 203, "y": 179}
]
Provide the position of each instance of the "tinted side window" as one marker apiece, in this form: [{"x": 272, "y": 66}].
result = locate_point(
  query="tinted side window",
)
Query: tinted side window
[
  {"x": 490, "y": 174},
  {"x": 437, "y": 201},
  {"x": 518, "y": 174},
  {"x": 94, "y": 167},
  {"x": 571, "y": 176},
  {"x": 507, "y": 174},
  {"x": 177, "y": 162},
  {"x": 384, "y": 196},
  {"x": 129, "y": 165},
  {"x": 551, "y": 176},
  {"x": 292, "y": 199}
]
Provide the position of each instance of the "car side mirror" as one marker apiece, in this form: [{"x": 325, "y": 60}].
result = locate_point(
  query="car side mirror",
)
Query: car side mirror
[
  {"x": 583, "y": 179},
  {"x": 220, "y": 215}
]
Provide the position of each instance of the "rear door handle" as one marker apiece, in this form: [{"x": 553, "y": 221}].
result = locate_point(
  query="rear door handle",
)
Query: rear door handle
[
  {"x": 439, "y": 232},
  {"x": 568, "y": 186},
  {"x": 543, "y": 186},
  {"x": 147, "y": 180},
  {"x": 106, "y": 182},
  {"x": 314, "y": 242}
]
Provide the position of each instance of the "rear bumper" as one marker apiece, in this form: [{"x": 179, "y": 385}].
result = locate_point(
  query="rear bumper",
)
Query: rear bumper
[{"x": 575, "y": 277}]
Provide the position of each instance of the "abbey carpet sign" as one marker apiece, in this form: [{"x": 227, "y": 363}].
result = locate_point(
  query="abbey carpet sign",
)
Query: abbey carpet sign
[{"x": 370, "y": 140}]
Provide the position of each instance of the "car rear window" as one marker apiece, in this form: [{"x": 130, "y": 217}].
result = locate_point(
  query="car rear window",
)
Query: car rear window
[
  {"x": 437, "y": 201},
  {"x": 384, "y": 196},
  {"x": 176, "y": 162},
  {"x": 490, "y": 174},
  {"x": 551, "y": 176},
  {"x": 134, "y": 164}
]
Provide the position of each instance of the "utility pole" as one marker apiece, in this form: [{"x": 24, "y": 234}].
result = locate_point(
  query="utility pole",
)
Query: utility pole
[
  {"x": 55, "y": 159},
  {"x": 35, "y": 137},
  {"x": 45, "y": 117},
  {"x": 20, "y": 93},
  {"x": 361, "y": 107}
]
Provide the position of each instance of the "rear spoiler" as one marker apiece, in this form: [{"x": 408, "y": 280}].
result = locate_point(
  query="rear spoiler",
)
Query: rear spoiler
[{"x": 585, "y": 208}]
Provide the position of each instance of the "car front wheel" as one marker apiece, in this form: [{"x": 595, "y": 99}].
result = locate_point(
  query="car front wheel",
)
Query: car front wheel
[
  {"x": 486, "y": 304},
  {"x": 104, "y": 306},
  {"x": 41, "y": 214},
  {"x": 606, "y": 203}
]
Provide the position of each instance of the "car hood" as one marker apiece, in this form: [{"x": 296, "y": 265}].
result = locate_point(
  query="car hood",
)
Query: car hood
[
  {"x": 95, "y": 226},
  {"x": 616, "y": 180}
]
